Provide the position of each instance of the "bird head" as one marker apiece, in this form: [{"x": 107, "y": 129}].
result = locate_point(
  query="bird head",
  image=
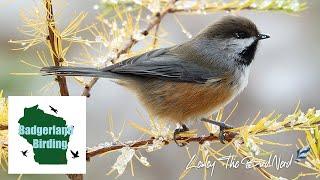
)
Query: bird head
[{"x": 233, "y": 37}]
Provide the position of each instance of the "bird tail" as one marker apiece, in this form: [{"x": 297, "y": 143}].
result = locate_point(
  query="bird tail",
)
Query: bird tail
[{"x": 76, "y": 71}]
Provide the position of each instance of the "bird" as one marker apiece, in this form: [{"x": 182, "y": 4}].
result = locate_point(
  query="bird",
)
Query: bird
[
  {"x": 189, "y": 81},
  {"x": 24, "y": 153},
  {"x": 74, "y": 154},
  {"x": 53, "y": 109}
]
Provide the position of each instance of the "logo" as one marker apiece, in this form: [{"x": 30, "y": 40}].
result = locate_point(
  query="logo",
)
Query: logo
[{"x": 47, "y": 135}]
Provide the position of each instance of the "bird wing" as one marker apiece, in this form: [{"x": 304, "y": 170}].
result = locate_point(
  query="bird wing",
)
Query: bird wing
[{"x": 164, "y": 64}]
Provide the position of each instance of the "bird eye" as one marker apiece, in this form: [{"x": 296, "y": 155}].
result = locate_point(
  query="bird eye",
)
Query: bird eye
[{"x": 240, "y": 35}]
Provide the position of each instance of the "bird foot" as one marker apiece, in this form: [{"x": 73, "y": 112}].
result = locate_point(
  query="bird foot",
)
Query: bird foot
[
  {"x": 182, "y": 128},
  {"x": 222, "y": 127}
]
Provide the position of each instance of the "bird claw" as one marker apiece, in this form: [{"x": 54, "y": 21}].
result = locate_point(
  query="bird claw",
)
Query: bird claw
[
  {"x": 222, "y": 127},
  {"x": 177, "y": 131},
  {"x": 222, "y": 136}
]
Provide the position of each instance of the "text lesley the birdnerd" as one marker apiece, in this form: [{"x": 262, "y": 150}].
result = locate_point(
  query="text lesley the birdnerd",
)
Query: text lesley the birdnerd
[{"x": 231, "y": 162}]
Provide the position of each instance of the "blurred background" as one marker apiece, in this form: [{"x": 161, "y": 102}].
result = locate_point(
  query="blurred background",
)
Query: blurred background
[{"x": 285, "y": 70}]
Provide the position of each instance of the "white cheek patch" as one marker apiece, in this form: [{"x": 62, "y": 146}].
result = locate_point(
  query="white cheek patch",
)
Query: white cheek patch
[{"x": 239, "y": 45}]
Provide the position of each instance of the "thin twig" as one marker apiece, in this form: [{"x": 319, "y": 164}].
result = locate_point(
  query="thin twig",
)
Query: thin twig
[
  {"x": 155, "y": 38},
  {"x": 75, "y": 176},
  {"x": 3, "y": 127},
  {"x": 155, "y": 20},
  {"x": 229, "y": 136},
  {"x": 212, "y": 8},
  {"x": 55, "y": 43}
]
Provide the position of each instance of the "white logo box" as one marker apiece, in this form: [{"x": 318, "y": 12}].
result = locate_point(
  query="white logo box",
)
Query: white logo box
[{"x": 73, "y": 111}]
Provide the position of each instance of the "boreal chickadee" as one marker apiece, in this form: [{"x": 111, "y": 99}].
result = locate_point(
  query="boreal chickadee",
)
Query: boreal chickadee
[{"x": 189, "y": 81}]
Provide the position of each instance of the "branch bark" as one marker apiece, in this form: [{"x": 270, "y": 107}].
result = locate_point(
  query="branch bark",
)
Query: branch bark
[
  {"x": 75, "y": 176},
  {"x": 155, "y": 38},
  {"x": 229, "y": 136},
  {"x": 56, "y": 47},
  {"x": 3, "y": 127}
]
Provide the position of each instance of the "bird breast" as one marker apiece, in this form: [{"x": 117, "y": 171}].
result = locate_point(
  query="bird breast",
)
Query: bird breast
[
  {"x": 183, "y": 101},
  {"x": 241, "y": 79}
]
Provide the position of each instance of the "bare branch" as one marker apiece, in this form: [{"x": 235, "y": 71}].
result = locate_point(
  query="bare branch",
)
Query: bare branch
[
  {"x": 75, "y": 176},
  {"x": 3, "y": 127},
  {"x": 155, "y": 20},
  {"x": 155, "y": 38},
  {"x": 229, "y": 136},
  {"x": 55, "y": 43}
]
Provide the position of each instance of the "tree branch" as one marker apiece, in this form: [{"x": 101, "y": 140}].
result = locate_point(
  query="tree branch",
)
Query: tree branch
[
  {"x": 75, "y": 176},
  {"x": 3, "y": 127},
  {"x": 55, "y": 46},
  {"x": 229, "y": 136},
  {"x": 155, "y": 38},
  {"x": 156, "y": 19}
]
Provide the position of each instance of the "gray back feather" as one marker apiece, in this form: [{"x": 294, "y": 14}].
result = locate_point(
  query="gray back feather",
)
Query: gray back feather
[{"x": 166, "y": 64}]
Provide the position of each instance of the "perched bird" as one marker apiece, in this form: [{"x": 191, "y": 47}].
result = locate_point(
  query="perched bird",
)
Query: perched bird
[
  {"x": 74, "y": 154},
  {"x": 189, "y": 81}
]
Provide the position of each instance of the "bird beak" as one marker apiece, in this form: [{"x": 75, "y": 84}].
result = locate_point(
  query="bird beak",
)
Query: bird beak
[{"x": 263, "y": 36}]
